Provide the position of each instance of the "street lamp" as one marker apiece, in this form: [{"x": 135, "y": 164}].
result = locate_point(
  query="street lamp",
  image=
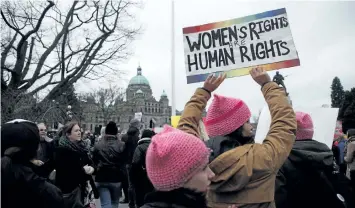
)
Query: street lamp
[{"x": 69, "y": 112}]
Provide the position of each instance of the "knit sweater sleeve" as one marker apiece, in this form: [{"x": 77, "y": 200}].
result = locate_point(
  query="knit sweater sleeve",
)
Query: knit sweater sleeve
[
  {"x": 281, "y": 136},
  {"x": 189, "y": 121}
]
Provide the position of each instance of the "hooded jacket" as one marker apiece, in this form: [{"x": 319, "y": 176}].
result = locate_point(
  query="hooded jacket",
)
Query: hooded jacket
[
  {"x": 245, "y": 175},
  {"x": 298, "y": 183}
]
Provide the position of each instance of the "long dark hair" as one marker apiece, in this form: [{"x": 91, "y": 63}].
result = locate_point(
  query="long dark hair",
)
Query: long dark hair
[{"x": 238, "y": 136}]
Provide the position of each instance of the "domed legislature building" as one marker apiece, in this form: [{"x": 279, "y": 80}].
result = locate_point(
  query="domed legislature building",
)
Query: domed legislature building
[{"x": 139, "y": 98}]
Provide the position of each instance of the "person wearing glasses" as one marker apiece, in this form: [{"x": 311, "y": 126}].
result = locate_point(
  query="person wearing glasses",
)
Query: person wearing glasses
[{"x": 45, "y": 153}]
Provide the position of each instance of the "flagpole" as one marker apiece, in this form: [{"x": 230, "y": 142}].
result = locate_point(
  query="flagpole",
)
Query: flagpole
[{"x": 173, "y": 102}]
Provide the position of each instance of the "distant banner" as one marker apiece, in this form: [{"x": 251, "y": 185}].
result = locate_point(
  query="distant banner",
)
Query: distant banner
[
  {"x": 175, "y": 121},
  {"x": 235, "y": 46},
  {"x": 138, "y": 116}
]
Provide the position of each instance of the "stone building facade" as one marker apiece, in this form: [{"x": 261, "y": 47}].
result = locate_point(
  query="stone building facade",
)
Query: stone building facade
[{"x": 139, "y": 98}]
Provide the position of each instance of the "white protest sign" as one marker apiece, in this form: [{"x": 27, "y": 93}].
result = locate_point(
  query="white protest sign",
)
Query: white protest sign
[
  {"x": 138, "y": 116},
  {"x": 235, "y": 46},
  {"x": 324, "y": 123}
]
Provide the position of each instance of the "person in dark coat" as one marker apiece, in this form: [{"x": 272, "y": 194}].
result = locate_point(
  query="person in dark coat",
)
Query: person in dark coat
[
  {"x": 131, "y": 142},
  {"x": 74, "y": 167},
  {"x": 303, "y": 179},
  {"x": 108, "y": 156},
  {"x": 138, "y": 173},
  {"x": 45, "y": 153},
  {"x": 20, "y": 185}
]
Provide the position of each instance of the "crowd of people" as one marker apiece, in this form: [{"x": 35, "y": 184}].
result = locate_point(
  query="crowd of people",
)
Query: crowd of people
[{"x": 212, "y": 163}]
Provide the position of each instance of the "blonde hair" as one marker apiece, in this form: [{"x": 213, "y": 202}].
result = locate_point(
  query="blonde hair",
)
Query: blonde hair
[{"x": 203, "y": 133}]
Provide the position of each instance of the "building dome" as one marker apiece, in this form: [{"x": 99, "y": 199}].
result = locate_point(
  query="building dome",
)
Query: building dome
[
  {"x": 164, "y": 94},
  {"x": 139, "y": 79}
]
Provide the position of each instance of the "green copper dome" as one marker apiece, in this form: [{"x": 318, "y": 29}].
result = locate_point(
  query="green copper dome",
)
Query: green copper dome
[
  {"x": 164, "y": 94},
  {"x": 139, "y": 79}
]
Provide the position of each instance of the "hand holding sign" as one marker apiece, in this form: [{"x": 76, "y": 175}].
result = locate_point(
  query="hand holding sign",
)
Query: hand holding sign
[
  {"x": 213, "y": 82},
  {"x": 260, "y": 76}
]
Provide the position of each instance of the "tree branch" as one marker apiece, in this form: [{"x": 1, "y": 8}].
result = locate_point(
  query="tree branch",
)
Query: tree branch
[
  {"x": 27, "y": 67},
  {"x": 22, "y": 48},
  {"x": 8, "y": 24},
  {"x": 7, "y": 49},
  {"x": 49, "y": 82},
  {"x": 44, "y": 56}
]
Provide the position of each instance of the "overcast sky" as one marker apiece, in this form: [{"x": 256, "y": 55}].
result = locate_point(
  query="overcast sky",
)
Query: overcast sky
[{"x": 323, "y": 33}]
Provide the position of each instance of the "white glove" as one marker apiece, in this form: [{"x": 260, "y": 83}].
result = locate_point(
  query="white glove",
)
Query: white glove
[
  {"x": 37, "y": 162},
  {"x": 88, "y": 169}
]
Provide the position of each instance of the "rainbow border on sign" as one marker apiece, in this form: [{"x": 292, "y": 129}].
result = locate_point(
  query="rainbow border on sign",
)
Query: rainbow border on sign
[
  {"x": 227, "y": 23},
  {"x": 245, "y": 71}
]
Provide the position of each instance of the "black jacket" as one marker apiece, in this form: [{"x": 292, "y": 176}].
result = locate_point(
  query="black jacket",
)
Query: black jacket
[
  {"x": 21, "y": 187},
  {"x": 221, "y": 144},
  {"x": 45, "y": 153},
  {"x": 138, "y": 174},
  {"x": 45, "y": 150},
  {"x": 69, "y": 168},
  {"x": 109, "y": 158},
  {"x": 298, "y": 183},
  {"x": 131, "y": 142},
  {"x": 179, "y": 198}
]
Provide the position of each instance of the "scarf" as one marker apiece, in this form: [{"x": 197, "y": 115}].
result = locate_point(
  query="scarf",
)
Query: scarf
[{"x": 77, "y": 146}]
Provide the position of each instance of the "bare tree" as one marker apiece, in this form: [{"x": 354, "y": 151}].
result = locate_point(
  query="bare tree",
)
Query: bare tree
[
  {"x": 106, "y": 100},
  {"x": 47, "y": 45}
]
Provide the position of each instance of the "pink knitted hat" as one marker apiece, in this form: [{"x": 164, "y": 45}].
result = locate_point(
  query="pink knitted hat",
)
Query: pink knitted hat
[
  {"x": 173, "y": 157},
  {"x": 304, "y": 126},
  {"x": 225, "y": 115}
]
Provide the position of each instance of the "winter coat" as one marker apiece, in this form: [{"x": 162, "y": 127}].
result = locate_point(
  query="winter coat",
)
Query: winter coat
[
  {"x": 245, "y": 175},
  {"x": 45, "y": 153},
  {"x": 220, "y": 145},
  {"x": 69, "y": 163},
  {"x": 179, "y": 198},
  {"x": 21, "y": 187},
  {"x": 131, "y": 141},
  {"x": 350, "y": 156},
  {"x": 138, "y": 173},
  {"x": 298, "y": 177},
  {"x": 109, "y": 158},
  {"x": 45, "y": 150}
]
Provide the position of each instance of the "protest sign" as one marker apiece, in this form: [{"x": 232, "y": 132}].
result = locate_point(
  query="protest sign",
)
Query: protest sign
[
  {"x": 235, "y": 46},
  {"x": 175, "y": 121},
  {"x": 324, "y": 123},
  {"x": 138, "y": 116}
]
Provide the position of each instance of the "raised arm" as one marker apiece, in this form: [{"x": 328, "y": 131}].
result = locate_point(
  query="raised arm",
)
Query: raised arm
[
  {"x": 281, "y": 136},
  {"x": 192, "y": 114}
]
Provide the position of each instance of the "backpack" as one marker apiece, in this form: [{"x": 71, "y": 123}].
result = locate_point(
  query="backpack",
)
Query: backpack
[
  {"x": 337, "y": 189},
  {"x": 333, "y": 194},
  {"x": 316, "y": 188}
]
